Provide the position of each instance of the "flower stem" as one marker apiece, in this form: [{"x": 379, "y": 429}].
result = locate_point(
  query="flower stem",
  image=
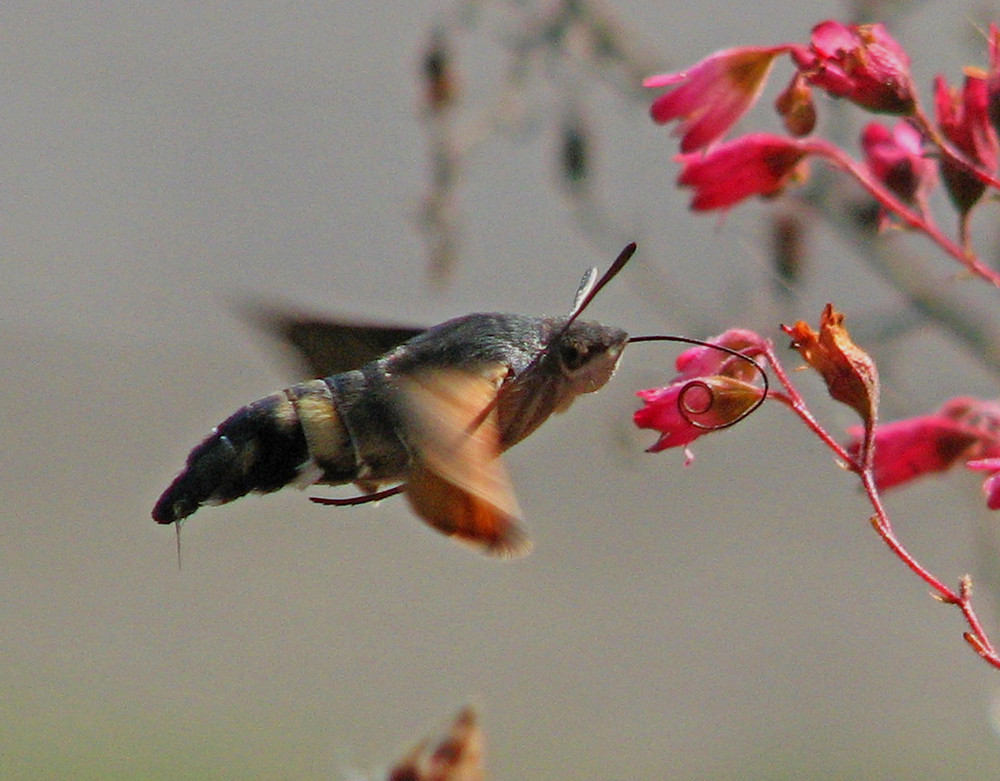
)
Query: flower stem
[
  {"x": 914, "y": 219},
  {"x": 862, "y": 465},
  {"x": 792, "y": 399}
]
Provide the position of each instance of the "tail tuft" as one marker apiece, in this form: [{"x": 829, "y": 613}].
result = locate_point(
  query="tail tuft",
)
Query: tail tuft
[
  {"x": 259, "y": 448},
  {"x": 210, "y": 468}
]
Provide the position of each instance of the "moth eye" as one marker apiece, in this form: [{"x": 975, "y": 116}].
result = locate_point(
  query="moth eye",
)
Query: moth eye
[{"x": 572, "y": 357}]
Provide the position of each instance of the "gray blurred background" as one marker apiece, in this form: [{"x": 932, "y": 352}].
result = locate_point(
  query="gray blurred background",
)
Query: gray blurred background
[{"x": 164, "y": 162}]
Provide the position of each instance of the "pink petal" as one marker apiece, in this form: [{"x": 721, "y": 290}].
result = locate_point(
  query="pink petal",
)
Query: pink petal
[{"x": 908, "y": 449}]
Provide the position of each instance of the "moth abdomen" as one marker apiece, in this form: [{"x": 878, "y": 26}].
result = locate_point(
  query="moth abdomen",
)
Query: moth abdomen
[{"x": 290, "y": 436}]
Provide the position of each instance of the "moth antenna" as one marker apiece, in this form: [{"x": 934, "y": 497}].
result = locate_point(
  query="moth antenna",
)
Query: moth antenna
[
  {"x": 685, "y": 410},
  {"x": 584, "y": 297},
  {"x": 377, "y": 496},
  {"x": 177, "y": 529},
  {"x": 586, "y": 285},
  {"x": 588, "y": 289}
]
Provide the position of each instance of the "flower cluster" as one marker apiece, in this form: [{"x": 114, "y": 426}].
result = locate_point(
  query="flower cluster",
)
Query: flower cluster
[
  {"x": 901, "y": 165},
  {"x": 866, "y": 66},
  {"x": 861, "y": 63},
  {"x": 717, "y": 382}
]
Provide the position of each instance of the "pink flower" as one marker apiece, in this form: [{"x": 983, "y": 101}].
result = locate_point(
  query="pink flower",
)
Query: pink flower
[
  {"x": 896, "y": 158},
  {"x": 991, "y": 485},
  {"x": 993, "y": 78},
  {"x": 964, "y": 429},
  {"x": 862, "y": 63},
  {"x": 713, "y": 94},
  {"x": 704, "y": 360},
  {"x": 964, "y": 120},
  {"x": 755, "y": 164},
  {"x": 712, "y": 391},
  {"x": 912, "y": 448}
]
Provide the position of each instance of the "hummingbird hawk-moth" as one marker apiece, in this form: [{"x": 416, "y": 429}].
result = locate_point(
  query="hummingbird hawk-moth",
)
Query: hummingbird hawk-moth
[{"x": 427, "y": 412}]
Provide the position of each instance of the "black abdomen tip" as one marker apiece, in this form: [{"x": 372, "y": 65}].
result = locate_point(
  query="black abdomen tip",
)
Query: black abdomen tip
[{"x": 259, "y": 448}]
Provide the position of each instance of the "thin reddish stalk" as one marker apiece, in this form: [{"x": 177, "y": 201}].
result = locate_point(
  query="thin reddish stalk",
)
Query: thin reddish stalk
[
  {"x": 882, "y": 525},
  {"x": 976, "y": 635},
  {"x": 910, "y": 217},
  {"x": 792, "y": 399}
]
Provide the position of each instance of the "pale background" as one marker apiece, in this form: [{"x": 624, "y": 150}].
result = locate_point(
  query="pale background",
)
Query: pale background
[{"x": 162, "y": 162}]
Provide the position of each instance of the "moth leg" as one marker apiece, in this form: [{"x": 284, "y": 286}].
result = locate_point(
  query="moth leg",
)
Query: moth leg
[{"x": 362, "y": 499}]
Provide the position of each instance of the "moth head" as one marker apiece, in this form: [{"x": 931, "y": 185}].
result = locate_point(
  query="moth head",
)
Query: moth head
[{"x": 587, "y": 354}]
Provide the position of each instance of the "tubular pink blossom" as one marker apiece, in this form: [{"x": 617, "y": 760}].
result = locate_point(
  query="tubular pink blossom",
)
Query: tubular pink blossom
[
  {"x": 963, "y": 429},
  {"x": 912, "y": 448},
  {"x": 661, "y": 411},
  {"x": 703, "y": 360},
  {"x": 991, "y": 485},
  {"x": 964, "y": 120},
  {"x": 756, "y": 164},
  {"x": 711, "y": 390},
  {"x": 684, "y": 411},
  {"x": 712, "y": 95},
  {"x": 862, "y": 63},
  {"x": 993, "y": 78},
  {"x": 896, "y": 158}
]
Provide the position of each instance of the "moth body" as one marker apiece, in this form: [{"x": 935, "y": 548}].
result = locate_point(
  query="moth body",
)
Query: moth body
[{"x": 433, "y": 413}]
